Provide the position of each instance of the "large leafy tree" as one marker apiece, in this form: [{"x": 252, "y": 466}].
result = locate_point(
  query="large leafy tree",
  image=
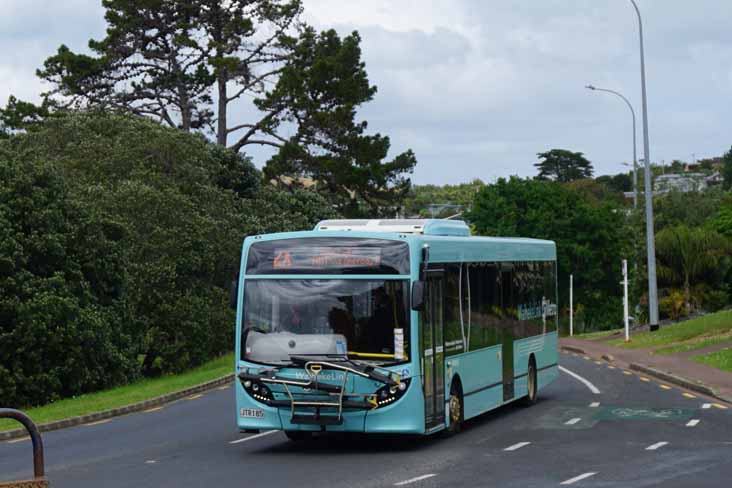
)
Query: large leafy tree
[
  {"x": 170, "y": 59},
  {"x": 319, "y": 90},
  {"x": 727, "y": 170},
  {"x": 563, "y": 166},
  {"x": 589, "y": 236}
]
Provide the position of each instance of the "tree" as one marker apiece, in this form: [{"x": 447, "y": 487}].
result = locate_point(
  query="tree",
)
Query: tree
[
  {"x": 589, "y": 236},
  {"x": 687, "y": 252},
  {"x": 620, "y": 182},
  {"x": 563, "y": 166},
  {"x": 441, "y": 201},
  {"x": 165, "y": 59},
  {"x": 727, "y": 170},
  {"x": 319, "y": 90}
]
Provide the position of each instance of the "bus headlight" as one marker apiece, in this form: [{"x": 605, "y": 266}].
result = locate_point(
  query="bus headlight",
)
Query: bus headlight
[
  {"x": 388, "y": 394},
  {"x": 258, "y": 391}
]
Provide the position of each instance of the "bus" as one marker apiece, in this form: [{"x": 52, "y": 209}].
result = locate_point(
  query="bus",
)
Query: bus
[{"x": 390, "y": 326}]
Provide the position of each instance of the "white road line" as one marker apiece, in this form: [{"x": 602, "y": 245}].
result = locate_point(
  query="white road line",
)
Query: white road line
[
  {"x": 692, "y": 422},
  {"x": 572, "y": 421},
  {"x": 589, "y": 385},
  {"x": 655, "y": 446},
  {"x": 594, "y": 404},
  {"x": 707, "y": 405},
  {"x": 517, "y": 446},
  {"x": 577, "y": 478},
  {"x": 252, "y": 437},
  {"x": 413, "y": 480},
  {"x": 20, "y": 439}
]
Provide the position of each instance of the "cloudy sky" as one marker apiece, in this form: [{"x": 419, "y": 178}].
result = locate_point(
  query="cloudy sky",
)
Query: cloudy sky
[{"x": 477, "y": 87}]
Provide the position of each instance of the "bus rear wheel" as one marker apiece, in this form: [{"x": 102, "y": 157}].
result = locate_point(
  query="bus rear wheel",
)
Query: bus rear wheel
[
  {"x": 456, "y": 409},
  {"x": 532, "y": 385},
  {"x": 298, "y": 435}
]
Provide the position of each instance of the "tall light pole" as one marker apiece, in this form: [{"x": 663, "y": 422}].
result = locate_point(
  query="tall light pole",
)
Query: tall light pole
[
  {"x": 635, "y": 151},
  {"x": 652, "y": 287}
]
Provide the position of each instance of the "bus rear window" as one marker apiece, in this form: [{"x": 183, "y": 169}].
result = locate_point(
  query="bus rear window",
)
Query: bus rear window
[{"x": 328, "y": 255}]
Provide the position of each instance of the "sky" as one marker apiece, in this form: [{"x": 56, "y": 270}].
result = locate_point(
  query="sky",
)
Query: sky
[{"x": 476, "y": 88}]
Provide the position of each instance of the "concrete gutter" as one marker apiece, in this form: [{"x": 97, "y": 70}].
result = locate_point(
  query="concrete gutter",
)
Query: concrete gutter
[{"x": 116, "y": 412}]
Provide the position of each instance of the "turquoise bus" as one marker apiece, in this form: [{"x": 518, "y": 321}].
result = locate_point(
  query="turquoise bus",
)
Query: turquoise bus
[{"x": 390, "y": 326}]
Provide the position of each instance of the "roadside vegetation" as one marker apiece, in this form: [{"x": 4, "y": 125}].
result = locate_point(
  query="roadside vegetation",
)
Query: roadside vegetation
[
  {"x": 138, "y": 391},
  {"x": 718, "y": 359}
]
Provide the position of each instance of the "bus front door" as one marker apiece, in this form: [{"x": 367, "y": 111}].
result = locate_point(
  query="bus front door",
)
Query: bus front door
[{"x": 433, "y": 358}]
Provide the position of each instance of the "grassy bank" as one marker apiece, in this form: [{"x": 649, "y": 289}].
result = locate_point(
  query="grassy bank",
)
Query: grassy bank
[
  {"x": 719, "y": 359},
  {"x": 710, "y": 327},
  {"x": 125, "y": 395}
]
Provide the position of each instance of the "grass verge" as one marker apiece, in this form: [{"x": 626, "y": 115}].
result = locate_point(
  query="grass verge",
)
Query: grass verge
[
  {"x": 698, "y": 343},
  {"x": 719, "y": 359},
  {"x": 708, "y": 325},
  {"x": 598, "y": 334},
  {"x": 125, "y": 395}
]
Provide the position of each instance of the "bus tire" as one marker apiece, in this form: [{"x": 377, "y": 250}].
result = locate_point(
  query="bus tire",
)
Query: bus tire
[
  {"x": 298, "y": 435},
  {"x": 532, "y": 385},
  {"x": 456, "y": 408}
]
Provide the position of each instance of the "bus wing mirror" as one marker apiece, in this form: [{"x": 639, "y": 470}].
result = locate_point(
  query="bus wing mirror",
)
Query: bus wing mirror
[
  {"x": 233, "y": 293},
  {"x": 418, "y": 296}
]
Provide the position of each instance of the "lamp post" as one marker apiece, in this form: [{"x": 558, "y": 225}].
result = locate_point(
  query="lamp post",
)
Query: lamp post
[
  {"x": 635, "y": 152},
  {"x": 652, "y": 287}
]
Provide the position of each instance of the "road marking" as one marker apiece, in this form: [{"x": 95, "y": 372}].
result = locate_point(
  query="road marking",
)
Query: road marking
[
  {"x": 688, "y": 395},
  {"x": 643, "y": 378},
  {"x": 655, "y": 446},
  {"x": 598, "y": 362},
  {"x": 586, "y": 357},
  {"x": 151, "y": 461},
  {"x": 594, "y": 404},
  {"x": 154, "y": 409},
  {"x": 572, "y": 421},
  {"x": 665, "y": 387},
  {"x": 19, "y": 439},
  {"x": 692, "y": 423},
  {"x": 225, "y": 387},
  {"x": 609, "y": 366},
  {"x": 577, "y": 478},
  {"x": 719, "y": 406},
  {"x": 627, "y": 372},
  {"x": 98, "y": 422},
  {"x": 517, "y": 446},
  {"x": 589, "y": 385},
  {"x": 194, "y": 397},
  {"x": 252, "y": 437},
  {"x": 706, "y": 405},
  {"x": 413, "y": 480}
]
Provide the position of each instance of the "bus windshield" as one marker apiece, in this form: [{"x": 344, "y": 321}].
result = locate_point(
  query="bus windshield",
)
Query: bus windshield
[{"x": 367, "y": 320}]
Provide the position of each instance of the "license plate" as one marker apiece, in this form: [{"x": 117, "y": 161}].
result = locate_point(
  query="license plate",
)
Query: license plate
[{"x": 253, "y": 413}]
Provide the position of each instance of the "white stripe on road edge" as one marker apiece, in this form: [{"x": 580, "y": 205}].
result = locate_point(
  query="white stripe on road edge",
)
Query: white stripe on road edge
[
  {"x": 517, "y": 446},
  {"x": 98, "y": 422},
  {"x": 418, "y": 478},
  {"x": 572, "y": 421},
  {"x": 707, "y": 405},
  {"x": 20, "y": 439},
  {"x": 692, "y": 422},
  {"x": 244, "y": 439},
  {"x": 577, "y": 478},
  {"x": 589, "y": 385},
  {"x": 655, "y": 446},
  {"x": 595, "y": 404}
]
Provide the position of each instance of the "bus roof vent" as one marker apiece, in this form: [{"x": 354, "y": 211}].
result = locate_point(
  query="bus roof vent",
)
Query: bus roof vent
[{"x": 432, "y": 227}]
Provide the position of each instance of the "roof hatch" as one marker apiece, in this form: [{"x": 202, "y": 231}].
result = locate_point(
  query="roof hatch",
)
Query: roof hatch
[{"x": 429, "y": 227}]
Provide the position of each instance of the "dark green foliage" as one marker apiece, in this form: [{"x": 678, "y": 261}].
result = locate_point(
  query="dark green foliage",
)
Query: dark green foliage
[
  {"x": 620, "y": 182},
  {"x": 319, "y": 89},
  {"x": 441, "y": 201},
  {"x": 692, "y": 209},
  {"x": 727, "y": 170},
  {"x": 563, "y": 166},
  {"x": 589, "y": 237},
  {"x": 119, "y": 239}
]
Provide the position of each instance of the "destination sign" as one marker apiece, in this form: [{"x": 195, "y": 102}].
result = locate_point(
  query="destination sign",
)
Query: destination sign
[{"x": 327, "y": 257}]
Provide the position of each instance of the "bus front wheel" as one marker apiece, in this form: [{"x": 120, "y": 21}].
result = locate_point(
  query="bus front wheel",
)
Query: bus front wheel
[
  {"x": 532, "y": 385},
  {"x": 456, "y": 409}
]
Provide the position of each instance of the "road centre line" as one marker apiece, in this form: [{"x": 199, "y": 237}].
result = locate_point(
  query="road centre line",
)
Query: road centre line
[
  {"x": 252, "y": 437},
  {"x": 517, "y": 446},
  {"x": 589, "y": 385},
  {"x": 594, "y": 404},
  {"x": 413, "y": 480},
  {"x": 706, "y": 405},
  {"x": 572, "y": 421},
  {"x": 577, "y": 478},
  {"x": 692, "y": 423},
  {"x": 655, "y": 446}
]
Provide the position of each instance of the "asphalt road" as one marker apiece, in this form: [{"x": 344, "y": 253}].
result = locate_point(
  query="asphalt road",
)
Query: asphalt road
[{"x": 634, "y": 433}]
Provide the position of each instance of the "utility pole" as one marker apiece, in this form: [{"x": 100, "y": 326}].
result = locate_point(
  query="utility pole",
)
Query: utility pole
[
  {"x": 625, "y": 299},
  {"x": 571, "y": 311}
]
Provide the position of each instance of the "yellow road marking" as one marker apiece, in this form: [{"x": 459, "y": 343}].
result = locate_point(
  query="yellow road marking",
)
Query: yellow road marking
[
  {"x": 98, "y": 422},
  {"x": 688, "y": 395},
  {"x": 154, "y": 409},
  {"x": 19, "y": 439},
  {"x": 643, "y": 378},
  {"x": 586, "y": 357},
  {"x": 665, "y": 387},
  {"x": 719, "y": 406},
  {"x": 225, "y": 387},
  {"x": 193, "y": 397},
  {"x": 610, "y": 366},
  {"x": 627, "y": 372}
]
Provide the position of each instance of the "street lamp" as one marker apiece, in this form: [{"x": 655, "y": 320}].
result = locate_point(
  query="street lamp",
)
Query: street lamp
[
  {"x": 635, "y": 152},
  {"x": 652, "y": 287}
]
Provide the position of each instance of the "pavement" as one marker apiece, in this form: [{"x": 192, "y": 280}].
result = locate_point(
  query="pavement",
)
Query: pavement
[
  {"x": 677, "y": 368},
  {"x": 634, "y": 432}
]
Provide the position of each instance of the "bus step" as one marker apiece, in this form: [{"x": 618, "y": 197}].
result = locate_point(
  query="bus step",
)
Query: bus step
[{"x": 313, "y": 420}]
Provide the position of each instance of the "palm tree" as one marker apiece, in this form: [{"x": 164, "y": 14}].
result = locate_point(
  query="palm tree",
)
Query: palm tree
[{"x": 687, "y": 253}]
